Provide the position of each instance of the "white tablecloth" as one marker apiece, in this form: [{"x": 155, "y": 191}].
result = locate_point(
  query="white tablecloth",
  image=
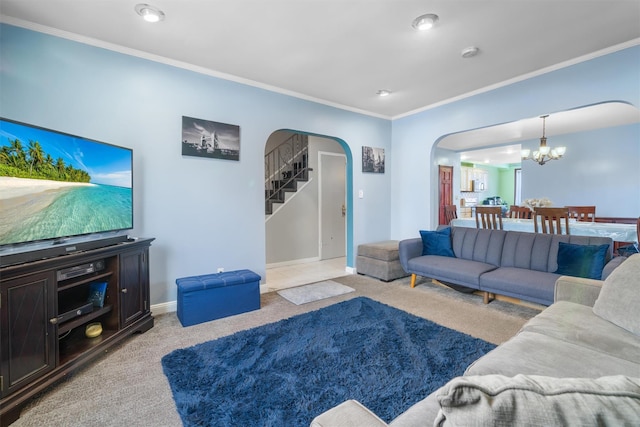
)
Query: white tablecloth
[{"x": 617, "y": 232}]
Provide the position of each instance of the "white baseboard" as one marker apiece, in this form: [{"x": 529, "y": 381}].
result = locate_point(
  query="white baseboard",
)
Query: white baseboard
[
  {"x": 264, "y": 288},
  {"x": 172, "y": 306},
  {"x": 165, "y": 307}
]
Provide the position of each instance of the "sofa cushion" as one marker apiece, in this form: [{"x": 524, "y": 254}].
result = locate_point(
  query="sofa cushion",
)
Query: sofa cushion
[
  {"x": 539, "y": 400},
  {"x": 532, "y": 285},
  {"x": 581, "y": 260},
  {"x": 454, "y": 270},
  {"x": 619, "y": 298},
  {"x": 478, "y": 244},
  {"x": 437, "y": 242},
  {"x": 535, "y": 353},
  {"x": 577, "y": 324},
  {"x": 538, "y": 251}
]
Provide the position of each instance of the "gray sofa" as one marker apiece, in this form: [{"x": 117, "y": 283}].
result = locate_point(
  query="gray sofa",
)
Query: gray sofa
[
  {"x": 511, "y": 263},
  {"x": 576, "y": 363}
]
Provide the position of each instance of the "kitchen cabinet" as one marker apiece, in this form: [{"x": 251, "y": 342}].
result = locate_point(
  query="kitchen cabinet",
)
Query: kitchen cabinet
[
  {"x": 466, "y": 178},
  {"x": 473, "y": 179},
  {"x": 480, "y": 179}
]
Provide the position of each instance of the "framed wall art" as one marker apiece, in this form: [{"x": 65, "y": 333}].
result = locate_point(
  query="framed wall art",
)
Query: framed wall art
[
  {"x": 204, "y": 138},
  {"x": 372, "y": 160}
]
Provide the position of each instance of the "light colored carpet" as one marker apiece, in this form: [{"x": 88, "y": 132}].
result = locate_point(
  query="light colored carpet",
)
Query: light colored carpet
[
  {"x": 314, "y": 292},
  {"x": 126, "y": 386}
]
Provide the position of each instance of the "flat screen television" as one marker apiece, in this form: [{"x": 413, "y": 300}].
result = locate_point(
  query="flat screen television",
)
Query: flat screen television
[{"x": 55, "y": 186}]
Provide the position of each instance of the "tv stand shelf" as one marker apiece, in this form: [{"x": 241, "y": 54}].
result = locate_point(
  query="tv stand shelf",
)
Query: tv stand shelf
[
  {"x": 44, "y": 313},
  {"x": 97, "y": 277},
  {"x": 82, "y": 320}
]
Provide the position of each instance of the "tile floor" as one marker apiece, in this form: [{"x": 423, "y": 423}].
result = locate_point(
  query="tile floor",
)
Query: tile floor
[{"x": 301, "y": 274}]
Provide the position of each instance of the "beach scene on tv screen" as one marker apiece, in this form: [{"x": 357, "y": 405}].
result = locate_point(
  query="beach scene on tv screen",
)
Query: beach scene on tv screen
[{"x": 54, "y": 185}]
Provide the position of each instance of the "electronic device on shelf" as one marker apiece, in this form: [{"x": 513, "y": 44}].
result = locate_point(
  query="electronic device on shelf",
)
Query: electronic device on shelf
[
  {"x": 71, "y": 312},
  {"x": 80, "y": 270}
]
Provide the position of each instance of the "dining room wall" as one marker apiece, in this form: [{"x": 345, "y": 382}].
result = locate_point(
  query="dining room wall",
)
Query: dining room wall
[{"x": 601, "y": 167}]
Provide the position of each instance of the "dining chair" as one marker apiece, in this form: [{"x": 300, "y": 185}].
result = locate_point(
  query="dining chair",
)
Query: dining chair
[
  {"x": 521, "y": 212},
  {"x": 550, "y": 220},
  {"x": 582, "y": 213},
  {"x": 489, "y": 216},
  {"x": 450, "y": 212}
]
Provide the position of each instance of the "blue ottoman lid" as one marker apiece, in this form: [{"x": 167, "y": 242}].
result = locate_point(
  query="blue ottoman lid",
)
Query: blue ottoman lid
[{"x": 216, "y": 280}]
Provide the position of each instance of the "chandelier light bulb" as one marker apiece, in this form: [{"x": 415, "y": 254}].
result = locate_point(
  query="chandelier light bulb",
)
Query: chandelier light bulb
[{"x": 544, "y": 152}]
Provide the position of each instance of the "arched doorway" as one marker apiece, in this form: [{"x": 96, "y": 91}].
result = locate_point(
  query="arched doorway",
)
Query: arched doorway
[
  {"x": 536, "y": 181},
  {"x": 302, "y": 231}
]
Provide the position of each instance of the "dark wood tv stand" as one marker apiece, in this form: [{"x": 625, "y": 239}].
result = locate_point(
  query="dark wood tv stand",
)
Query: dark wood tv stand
[{"x": 38, "y": 344}]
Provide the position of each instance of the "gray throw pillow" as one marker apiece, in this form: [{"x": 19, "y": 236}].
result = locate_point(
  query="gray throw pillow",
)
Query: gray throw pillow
[
  {"x": 619, "y": 298},
  {"x": 497, "y": 400}
]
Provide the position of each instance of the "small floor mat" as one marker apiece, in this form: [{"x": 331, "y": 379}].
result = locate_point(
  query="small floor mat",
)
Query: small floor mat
[{"x": 314, "y": 292}]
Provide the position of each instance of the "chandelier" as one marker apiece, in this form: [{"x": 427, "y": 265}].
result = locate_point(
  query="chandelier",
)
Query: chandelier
[{"x": 544, "y": 153}]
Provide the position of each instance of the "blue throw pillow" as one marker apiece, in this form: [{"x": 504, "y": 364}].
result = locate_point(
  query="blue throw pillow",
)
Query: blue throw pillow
[
  {"x": 581, "y": 260},
  {"x": 437, "y": 242}
]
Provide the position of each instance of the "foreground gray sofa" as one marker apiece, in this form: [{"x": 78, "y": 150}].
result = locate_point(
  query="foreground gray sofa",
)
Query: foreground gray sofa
[
  {"x": 511, "y": 263},
  {"x": 576, "y": 363}
]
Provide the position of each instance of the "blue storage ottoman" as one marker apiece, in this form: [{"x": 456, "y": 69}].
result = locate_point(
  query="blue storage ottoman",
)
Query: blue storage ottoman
[{"x": 212, "y": 296}]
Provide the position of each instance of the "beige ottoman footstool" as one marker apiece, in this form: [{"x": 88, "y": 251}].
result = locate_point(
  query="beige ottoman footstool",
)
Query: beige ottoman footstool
[{"x": 380, "y": 260}]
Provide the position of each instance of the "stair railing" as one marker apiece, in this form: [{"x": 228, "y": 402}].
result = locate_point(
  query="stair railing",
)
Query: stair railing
[{"x": 284, "y": 166}]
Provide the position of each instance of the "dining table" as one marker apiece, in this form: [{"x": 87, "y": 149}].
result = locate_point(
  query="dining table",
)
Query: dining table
[{"x": 616, "y": 231}]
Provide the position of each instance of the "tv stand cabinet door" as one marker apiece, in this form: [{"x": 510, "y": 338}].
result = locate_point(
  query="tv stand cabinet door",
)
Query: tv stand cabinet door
[
  {"x": 27, "y": 336},
  {"x": 134, "y": 285}
]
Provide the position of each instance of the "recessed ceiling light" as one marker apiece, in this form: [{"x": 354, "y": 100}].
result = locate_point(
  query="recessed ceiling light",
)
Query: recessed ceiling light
[
  {"x": 383, "y": 92},
  {"x": 469, "y": 52},
  {"x": 149, "y": 13},
  {"x": 425, "y": 22}
]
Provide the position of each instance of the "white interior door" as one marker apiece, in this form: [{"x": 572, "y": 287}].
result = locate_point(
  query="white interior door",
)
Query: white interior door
[{"x": 333, "y": 214}]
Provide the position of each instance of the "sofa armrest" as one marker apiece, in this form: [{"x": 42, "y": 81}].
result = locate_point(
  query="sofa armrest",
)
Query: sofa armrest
[
  {"x": 611, "y": 265},
  {"x": 577, "y": 289},
  {"x": 408, "y": 249},
  {"x": 348, "y": 414}
]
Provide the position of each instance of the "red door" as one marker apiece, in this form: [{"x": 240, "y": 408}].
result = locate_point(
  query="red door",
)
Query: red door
[{"x": 445, "y": 192}]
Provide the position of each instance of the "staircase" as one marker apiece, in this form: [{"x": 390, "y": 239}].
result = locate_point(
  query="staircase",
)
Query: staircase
[{"x": 285, "y": 166}]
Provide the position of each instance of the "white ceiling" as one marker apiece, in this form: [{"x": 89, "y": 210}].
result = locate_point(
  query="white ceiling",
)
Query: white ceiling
[
  {"x": 470, "y": 144},
  {"x": 341, "y": 52}
]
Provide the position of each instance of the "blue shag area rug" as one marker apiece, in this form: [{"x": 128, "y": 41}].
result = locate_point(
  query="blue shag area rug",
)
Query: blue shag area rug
[{"x": 288, "y": 372}]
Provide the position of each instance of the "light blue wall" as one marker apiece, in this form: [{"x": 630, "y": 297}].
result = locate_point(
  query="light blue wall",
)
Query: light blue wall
[
  {"x": 414, "y": 174},
  {"x": 600, "y": 168},
  {"x": 204, "y": 213},
  {"x": 207, "y": 213}
]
